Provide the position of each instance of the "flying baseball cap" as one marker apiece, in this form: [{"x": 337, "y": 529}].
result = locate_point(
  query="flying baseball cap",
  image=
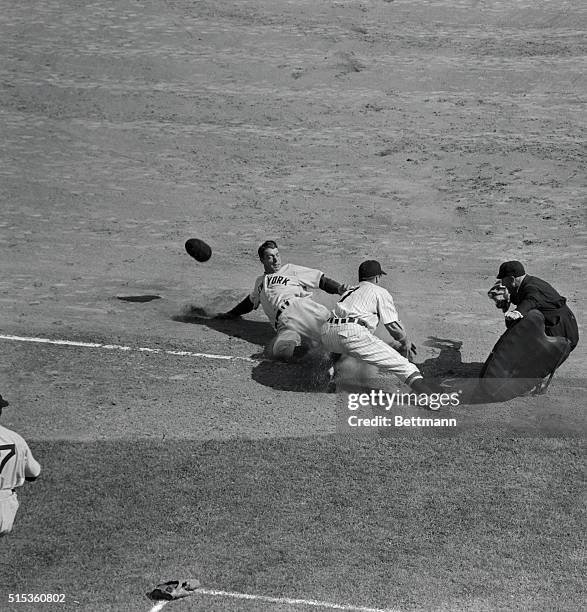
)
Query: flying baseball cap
[
  {"x": 511, "y": 268},
  {"x": 370, "y": 268}
]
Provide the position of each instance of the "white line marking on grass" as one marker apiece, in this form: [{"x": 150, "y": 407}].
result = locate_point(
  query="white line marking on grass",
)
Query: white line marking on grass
[
  {"x": 294, "y": 602},
  {"x": 118, "y": 347}
]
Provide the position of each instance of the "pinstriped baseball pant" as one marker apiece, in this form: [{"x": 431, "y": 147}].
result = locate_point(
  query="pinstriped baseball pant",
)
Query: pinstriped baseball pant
[{"x": 357, "y": 341}]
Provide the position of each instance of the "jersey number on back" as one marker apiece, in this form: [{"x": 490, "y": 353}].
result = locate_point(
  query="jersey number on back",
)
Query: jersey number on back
[{"x": 6, "y": 452}]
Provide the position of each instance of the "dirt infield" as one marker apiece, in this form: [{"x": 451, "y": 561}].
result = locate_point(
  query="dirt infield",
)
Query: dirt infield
[{"x": 439, "y": 137}]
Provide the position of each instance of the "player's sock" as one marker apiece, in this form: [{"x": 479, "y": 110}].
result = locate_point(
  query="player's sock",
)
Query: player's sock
[{"x": 331, "y": 387}]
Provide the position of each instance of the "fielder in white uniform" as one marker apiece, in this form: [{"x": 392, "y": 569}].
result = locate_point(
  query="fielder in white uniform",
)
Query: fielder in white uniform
[
  {"x": 17, "y": 464},
  {"x": 284, "y": 291},
  {"x": 350, "y": 329}
]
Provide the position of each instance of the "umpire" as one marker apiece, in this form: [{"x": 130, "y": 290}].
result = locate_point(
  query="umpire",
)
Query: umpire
[{"x": 529, "y": 292}]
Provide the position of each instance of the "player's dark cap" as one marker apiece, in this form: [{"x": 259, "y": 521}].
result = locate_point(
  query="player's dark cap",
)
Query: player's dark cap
[
  {"x": 511, "y": 268},
  {"x": 3, "y": 403},
  {"x": 369, "y": 269}
]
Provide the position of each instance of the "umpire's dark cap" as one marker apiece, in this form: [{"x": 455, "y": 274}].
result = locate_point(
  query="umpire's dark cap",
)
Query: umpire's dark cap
[
  {"x": 511, "y": 268},
  {"x": 369, "y": 269}
]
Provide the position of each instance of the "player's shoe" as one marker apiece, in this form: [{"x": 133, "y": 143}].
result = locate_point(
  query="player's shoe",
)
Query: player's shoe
[
  {"x": 542, "y": 387},
  {"x": 420, "y": 387},
  {"x": 300, "y": 352},
  {"x": 331, "y": 387}
]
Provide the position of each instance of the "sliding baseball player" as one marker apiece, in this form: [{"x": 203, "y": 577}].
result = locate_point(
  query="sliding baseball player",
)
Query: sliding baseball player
[{"x": 285, "y": 293}]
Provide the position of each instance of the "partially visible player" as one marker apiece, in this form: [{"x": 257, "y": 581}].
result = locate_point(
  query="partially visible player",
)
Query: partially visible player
[
  {"x": 17, "y": 464},
  {"x": 285, "y": 293},
  {"x": 350, "y": 329}
]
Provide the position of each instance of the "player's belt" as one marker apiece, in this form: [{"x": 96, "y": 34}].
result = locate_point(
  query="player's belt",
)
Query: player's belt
[
  {"x": 282, "y": 307},
  {"x": 347, "y": 320}
]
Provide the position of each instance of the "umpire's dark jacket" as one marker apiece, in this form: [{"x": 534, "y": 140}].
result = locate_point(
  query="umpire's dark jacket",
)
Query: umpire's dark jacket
[{"x": 559, "y": 318}]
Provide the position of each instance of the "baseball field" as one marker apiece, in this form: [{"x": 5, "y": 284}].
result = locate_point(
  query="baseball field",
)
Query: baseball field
[{"x": 440, "y": 137}]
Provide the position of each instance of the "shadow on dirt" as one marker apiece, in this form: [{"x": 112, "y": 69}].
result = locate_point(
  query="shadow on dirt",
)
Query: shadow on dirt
[
  {"x": 138, "y": 298},
  {"x": 446, "y": 373},
  {"x": 450, "y": 372},
  {"x": 254, "y": 332},
  {"x": 449, "y": 362},
  {"x": 309, "y": 374}
]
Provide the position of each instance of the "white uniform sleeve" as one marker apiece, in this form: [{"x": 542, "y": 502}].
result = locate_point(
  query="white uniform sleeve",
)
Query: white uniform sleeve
[
  {"x": 309, "y": 277},
  {"x": 386, "y": 308},
  {"x": 255, "y": 294},
  {"x": 32, "y": 467}
]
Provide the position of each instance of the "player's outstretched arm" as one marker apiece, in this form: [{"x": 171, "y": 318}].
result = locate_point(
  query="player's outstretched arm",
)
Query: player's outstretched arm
[
  {"x": 332, "y": 286},
  {"x": 240, "y": 309}
]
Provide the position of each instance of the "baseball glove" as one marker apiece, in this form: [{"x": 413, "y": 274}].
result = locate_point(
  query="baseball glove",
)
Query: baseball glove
[
  {"x": 500, "y": 296},
  {"x": 173, "y": 589}
]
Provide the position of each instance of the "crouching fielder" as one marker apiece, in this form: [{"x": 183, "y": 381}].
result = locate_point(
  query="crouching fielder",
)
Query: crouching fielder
[{"x": 350, "y": 329}]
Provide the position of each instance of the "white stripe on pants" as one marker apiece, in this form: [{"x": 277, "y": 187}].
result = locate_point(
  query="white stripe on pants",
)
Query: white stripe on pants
[{"x": 357, "y": 341}]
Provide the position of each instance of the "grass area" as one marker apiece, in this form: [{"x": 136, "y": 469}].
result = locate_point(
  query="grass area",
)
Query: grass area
[{"x": 411, "y": 523}]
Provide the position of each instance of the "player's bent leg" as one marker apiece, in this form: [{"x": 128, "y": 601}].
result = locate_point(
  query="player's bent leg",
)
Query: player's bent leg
[
  {"x": 305, "y": 317},
  {"x": 333, "y": 343},
  {"x": 369, "y": 348},
  {"x": 331, "y": 340},
  {"x": 8, "y": 508},
  {"x": 375, "y": 351},
  {"x": 284, "y": 345}
]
